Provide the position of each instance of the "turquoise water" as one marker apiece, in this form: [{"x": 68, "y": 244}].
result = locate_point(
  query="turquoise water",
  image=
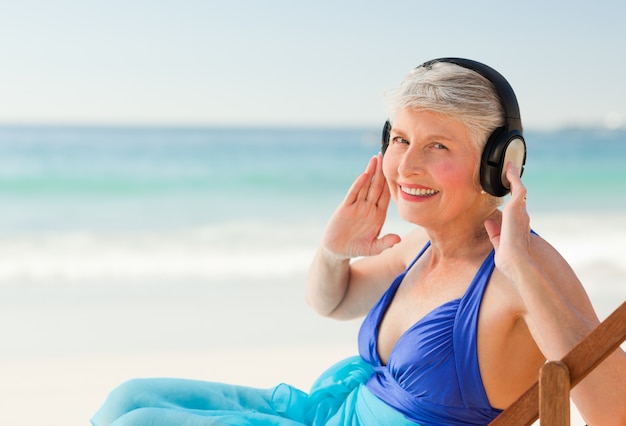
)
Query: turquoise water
[
  {"x": 172, "y": 177},
  {"x": 582, "y": 169},
  {"x": 129, "y": 178}
]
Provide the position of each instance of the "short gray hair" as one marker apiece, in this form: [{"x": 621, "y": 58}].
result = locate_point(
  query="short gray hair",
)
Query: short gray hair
[{"x": 451, "y": 90}]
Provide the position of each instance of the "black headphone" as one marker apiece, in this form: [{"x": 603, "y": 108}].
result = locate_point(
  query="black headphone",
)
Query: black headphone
[{"x": 505, "y": 144}]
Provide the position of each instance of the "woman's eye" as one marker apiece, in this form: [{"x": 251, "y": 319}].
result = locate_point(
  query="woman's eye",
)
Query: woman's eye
[
  {"x": 438, "y": 145},
  {"x": 398, "y": 139}
]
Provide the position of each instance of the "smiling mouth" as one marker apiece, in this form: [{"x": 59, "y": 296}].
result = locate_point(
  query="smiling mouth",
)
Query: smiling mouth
[{"x": 420, "y": 192}]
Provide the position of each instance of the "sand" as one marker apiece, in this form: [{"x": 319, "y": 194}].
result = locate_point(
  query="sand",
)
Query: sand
[{"x": 67, "y": 391}]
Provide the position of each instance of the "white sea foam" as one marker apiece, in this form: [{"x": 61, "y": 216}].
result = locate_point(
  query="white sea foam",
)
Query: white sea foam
[
  {"x": 586, "y": 240},
  {"x": 240, "y": 250},
  {"x": 248, "y": 249}
]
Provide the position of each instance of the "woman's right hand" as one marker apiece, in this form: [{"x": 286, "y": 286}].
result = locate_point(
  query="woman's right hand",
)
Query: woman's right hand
[{"x": 354, "y": 228}]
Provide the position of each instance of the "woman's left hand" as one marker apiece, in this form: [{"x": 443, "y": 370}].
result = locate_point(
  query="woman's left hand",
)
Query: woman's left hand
[{"x": 511, "y": 238}]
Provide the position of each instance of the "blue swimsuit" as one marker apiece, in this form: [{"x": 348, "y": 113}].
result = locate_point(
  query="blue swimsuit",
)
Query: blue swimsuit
[
  {"x": 432, "y": 375},
  {"x": 431, "y": 378}
]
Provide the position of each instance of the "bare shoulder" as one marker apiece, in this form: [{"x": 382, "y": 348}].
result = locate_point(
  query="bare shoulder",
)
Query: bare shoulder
[
  {"x": 371, "y": 276},
  {"x": 398, "y": 257},
  {"x": 410, "y": 245},
  {"x": 560, "y": 274}
]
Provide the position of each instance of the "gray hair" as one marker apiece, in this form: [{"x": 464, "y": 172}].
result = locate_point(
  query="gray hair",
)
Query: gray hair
[{"x": 451, "y": 90}]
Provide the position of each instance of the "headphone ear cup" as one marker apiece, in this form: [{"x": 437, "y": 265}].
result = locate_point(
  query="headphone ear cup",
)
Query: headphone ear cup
[
  {"x": 501, "y": 148},
  {"x": 385, "y": 137},
  {"x": 516, "y": 153}
]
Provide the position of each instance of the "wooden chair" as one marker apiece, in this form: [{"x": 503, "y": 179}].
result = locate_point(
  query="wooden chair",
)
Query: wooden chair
[{"x": 548, "y": 399}]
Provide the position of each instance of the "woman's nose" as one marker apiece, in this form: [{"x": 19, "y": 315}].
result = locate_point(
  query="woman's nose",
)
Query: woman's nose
[{"x": 411, "y": 163}]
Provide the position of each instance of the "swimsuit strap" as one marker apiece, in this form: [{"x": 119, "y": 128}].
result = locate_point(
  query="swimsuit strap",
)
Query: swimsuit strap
[{"x": 465, "y": 337}]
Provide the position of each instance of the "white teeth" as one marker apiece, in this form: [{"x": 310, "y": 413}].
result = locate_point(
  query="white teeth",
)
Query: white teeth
[{"x": 418, "y": 191}]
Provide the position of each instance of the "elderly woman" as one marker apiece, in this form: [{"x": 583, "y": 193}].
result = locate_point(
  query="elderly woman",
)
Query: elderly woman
[{"x": 477, "y": 301}]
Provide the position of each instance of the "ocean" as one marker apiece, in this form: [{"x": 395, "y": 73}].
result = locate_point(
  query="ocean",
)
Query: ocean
[{"x": 145, "y": 238}]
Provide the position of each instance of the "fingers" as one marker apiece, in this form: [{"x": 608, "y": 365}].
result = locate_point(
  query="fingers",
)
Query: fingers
[
  {"x": 385, "y": 197},
  {"x": 389, "y": 241},
  {"x": 518, "y": 190},
  {"x": 371, "y": 185},
  {"x": 493, "y": 230},
  {"x": 378, "y": 183},
  {"x": 516, "y": 219},
  {"x": 360, "y": 186}
]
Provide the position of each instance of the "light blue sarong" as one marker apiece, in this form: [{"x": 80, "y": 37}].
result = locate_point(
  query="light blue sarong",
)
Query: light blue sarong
[{"x": 339, "y": 397}]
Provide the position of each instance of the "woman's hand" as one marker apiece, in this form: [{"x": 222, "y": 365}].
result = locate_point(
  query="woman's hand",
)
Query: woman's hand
[
  {"x": 354, "y": 228},
  {"x": 511, "y": 239}
]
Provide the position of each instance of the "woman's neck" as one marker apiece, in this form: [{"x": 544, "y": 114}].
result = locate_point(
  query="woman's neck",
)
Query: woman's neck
[{"x": 467, "y": 238}]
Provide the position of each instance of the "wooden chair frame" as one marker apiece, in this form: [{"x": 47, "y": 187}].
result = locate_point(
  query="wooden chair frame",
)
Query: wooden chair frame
[{"x": 548, "y": 399}]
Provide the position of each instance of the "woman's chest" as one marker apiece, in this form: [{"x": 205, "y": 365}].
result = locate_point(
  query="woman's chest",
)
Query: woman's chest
[{"x": 415, "y": 302}]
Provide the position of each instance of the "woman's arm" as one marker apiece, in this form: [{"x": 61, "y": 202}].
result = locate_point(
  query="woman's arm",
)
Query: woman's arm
[
  {"x": 557, "y": 309},
  {"x": 354, "y": 231},
  {"x": 559, "y": 315}
]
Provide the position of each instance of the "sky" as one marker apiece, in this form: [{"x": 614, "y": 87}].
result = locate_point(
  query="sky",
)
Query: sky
[{"x": 298, "y": 63}]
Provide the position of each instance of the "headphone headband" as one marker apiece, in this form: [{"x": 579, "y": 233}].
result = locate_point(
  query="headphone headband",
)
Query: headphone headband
[{"x": 503, "y": 88}]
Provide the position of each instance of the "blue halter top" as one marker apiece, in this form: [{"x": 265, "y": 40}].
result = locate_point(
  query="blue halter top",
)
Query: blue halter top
[{"x": 432, "y": 375}]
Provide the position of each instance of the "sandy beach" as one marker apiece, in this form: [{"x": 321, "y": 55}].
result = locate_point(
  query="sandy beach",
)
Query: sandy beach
[{"x": 67, "y": 391}]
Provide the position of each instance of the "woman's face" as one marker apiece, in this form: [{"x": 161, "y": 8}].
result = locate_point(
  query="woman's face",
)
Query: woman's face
[{"x": 430, "y": 166}]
